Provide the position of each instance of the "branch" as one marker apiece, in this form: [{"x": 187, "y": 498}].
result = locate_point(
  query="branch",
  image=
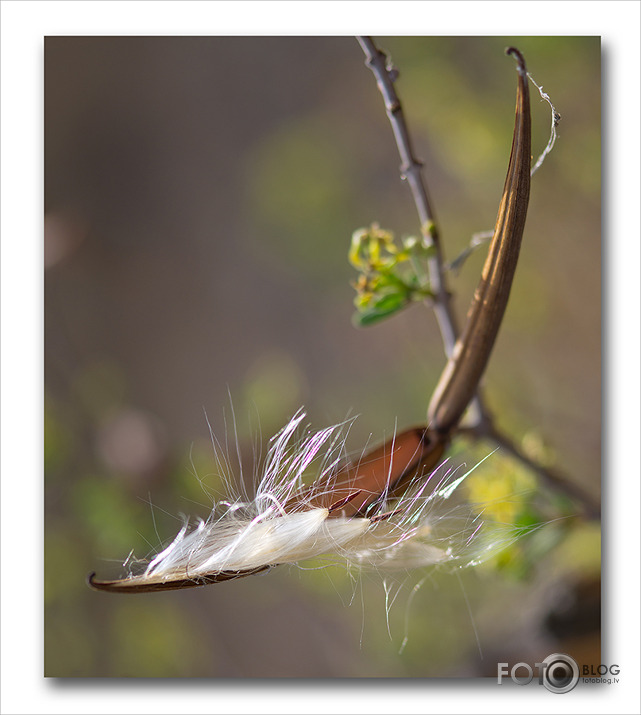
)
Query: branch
[
  {"x": 411, "y": 171},
  {"x": 551, "y": 478},
  {"x": 482, "y": 425}
]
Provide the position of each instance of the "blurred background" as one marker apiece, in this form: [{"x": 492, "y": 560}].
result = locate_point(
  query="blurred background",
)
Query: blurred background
[{"x": 200, "y": 198}]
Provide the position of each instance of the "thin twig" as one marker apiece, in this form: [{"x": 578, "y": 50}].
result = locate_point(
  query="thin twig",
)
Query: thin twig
[
  {"x": 481, "y": 425},
  {"x": 550, "y": 477},
  {"x": 411, "y": 171}
]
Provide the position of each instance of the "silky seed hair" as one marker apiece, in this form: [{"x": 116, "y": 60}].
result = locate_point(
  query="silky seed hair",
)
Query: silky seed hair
[{"x": 339, "y": 515}]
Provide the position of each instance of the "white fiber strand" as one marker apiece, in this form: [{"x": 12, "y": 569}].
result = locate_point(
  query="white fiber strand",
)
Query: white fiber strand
[
  {"x": 283, "y": 525},
  {"x": 556, "y": 117}
]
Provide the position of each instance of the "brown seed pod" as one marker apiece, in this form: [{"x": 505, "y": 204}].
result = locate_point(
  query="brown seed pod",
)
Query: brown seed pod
[
  {"x": 460, "y": 378},
  {"x": 147, "y": 585}
]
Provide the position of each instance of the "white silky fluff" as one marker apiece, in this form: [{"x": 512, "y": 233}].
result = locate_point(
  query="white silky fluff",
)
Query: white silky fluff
[{"x": 280, "y": 526}]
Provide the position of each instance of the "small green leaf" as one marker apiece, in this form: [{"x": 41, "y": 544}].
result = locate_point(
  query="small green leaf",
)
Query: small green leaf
[
  {"x": 390, "y": 276},
  {"x": 390, "y": 280},
  {"x": 390, "y": 301},
  {"x": 381, "y": 309}
]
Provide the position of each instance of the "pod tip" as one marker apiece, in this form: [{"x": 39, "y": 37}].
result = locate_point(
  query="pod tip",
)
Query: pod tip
[{"x": 518, "y": 56}]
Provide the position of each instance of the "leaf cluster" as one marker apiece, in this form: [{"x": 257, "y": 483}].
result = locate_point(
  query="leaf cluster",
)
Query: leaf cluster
[{"x": 391, "y": 277}]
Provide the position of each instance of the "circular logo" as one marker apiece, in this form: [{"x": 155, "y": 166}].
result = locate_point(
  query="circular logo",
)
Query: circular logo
[{"x": 560, "y": 673}]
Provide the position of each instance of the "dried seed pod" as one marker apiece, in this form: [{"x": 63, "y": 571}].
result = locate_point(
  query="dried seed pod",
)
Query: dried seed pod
[
  {"x": 288, "y": 521},
  {"x": 379, "y": 474},
  {"x": 147, "y": 585},
  {"x": 462, "y": 374}
]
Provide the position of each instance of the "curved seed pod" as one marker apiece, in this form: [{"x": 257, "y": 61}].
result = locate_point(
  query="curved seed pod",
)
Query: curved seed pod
[
  {"x": 460, "y": 378},
  {"x": 336, "y": 498},
  {"x": 380, "y": 472},
  {"x": 147, "y": 585}
]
